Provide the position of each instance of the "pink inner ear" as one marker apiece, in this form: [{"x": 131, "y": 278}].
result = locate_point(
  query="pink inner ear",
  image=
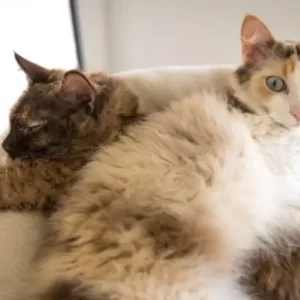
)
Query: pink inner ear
[
  {"x": 77, "y": 83},
  {"x": 253, "y": 33}
]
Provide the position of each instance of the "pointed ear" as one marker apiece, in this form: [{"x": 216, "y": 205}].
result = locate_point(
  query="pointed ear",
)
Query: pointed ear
[
  {"x": 254, "y": 33},
  {"x": 34, "y": 72},
  {"x": 75, "y": 82}
]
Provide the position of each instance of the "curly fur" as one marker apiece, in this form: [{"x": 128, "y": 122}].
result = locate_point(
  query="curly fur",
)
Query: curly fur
[{"x": 168, "y": 212}]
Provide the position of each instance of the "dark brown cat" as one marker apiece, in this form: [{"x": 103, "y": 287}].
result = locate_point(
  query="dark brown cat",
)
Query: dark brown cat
[{"x": 55, "y": 126}]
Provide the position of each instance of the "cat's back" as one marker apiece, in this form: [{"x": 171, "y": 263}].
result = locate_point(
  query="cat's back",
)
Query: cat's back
[
  {"x": 169, "y": 203},
  {"x": 185, "y": 141},
  {"x": 157, "y": 87},
  {"x": 179, "y": 160}
]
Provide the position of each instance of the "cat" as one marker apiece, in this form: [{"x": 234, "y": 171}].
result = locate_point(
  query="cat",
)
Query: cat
[
  {"x": 56, "y": 125},
  {"x": 131, "y": 232},
  {"x": 166, "y": 212},
  {"x": 265, "y": 88},
  {"x": 264, "y": 116}
]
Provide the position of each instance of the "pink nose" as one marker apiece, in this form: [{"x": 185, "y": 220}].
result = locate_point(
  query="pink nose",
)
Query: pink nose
[{"x": 296, "y": 113}]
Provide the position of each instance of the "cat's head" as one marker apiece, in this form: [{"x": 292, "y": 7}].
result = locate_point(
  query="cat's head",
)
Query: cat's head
[
  {"x": 64, "y": 115},
  {"x": 269, "y": 77}
]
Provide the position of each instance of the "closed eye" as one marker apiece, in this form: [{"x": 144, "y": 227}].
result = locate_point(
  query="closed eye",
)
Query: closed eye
[{"x": 36, "y": 125}]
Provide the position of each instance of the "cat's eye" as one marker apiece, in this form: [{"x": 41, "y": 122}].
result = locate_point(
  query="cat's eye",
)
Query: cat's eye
[
  {"x": 36, "y": 125},
  {"x": 276, "y": 84}
]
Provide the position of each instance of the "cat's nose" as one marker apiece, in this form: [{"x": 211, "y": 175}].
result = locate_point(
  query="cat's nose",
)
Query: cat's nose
[
  {"x": 296, "y": 113},
  {"x": 6, "y": 145},
  {"x": 9, "y": 148}
]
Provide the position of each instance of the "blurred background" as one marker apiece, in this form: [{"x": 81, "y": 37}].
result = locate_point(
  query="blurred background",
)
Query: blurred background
[{"x": 116, "y": 35}]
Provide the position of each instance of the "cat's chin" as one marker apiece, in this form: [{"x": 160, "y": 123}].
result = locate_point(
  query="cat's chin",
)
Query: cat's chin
[{"x": 24, "y": 158}]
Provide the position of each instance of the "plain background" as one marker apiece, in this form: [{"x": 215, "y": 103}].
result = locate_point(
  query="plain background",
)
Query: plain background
[{"x": 123, "y": 34}]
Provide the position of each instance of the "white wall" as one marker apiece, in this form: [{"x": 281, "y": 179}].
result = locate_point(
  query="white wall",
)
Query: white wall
[{"x": 145, "y": 33}]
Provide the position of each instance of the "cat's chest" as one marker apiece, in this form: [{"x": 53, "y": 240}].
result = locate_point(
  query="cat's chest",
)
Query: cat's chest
[
  {"x": 280, "y": 147},
  {"x": 282, "y": 154}
]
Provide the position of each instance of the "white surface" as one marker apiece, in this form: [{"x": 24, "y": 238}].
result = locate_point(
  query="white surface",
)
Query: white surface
[
  {"x": 147, "y": 33},
  {"x": 40, "y": 31},
  {"x": 21, "y": 234}
]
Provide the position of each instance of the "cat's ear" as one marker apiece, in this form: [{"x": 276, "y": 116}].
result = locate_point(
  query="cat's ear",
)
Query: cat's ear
[
  {"x": 76, "y": 83},
  {"x": 34, "y": 72},
  {"x": 254, "y": 34}
]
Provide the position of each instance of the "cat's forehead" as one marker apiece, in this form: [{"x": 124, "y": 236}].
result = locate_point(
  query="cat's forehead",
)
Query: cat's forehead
[
  {"x": 283, "y": 50},
  {"x": 28, "y": 116},
  {"x": 284, "y": 59},
  {"x": 290, "y": 42},
  {"x": 35, "y": 100},
  {"x": 278, "y": 58},
  {"x": 283, "y": 67}
]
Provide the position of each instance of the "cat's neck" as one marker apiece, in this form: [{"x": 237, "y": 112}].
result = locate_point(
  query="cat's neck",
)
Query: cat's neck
[
  {"x": 234, "y": 102},
  {"x": 239, "y": 99}
]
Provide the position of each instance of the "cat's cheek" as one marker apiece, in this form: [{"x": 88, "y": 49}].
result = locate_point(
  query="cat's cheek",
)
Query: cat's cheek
[
  {"x": 287, "y": 120},
  {"x": 293, "y": 121}
]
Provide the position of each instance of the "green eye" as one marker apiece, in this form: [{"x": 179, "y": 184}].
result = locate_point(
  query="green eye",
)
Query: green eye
[{"x": 276, "y": 84}]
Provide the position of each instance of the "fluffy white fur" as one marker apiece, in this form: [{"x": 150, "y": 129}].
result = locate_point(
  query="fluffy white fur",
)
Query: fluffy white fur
[{"x": 281, "y": 149}]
